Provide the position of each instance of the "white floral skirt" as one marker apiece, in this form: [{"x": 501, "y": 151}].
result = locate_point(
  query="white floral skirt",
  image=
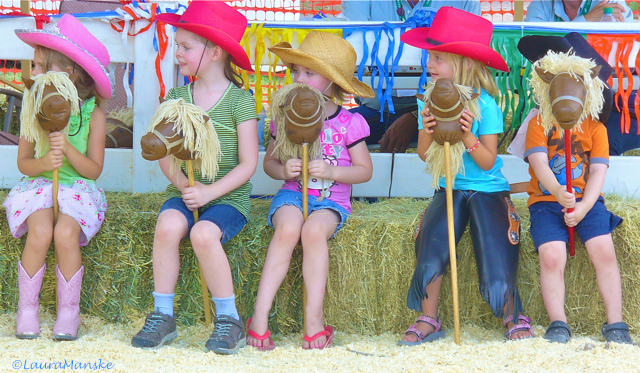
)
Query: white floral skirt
[{"x": 82, "y": 201}]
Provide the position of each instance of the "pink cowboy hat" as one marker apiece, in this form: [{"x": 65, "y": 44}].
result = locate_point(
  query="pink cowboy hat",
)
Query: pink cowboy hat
[
  {"x": 216, "y": 22},
  {"x": 459, "y": 32},
  {"x": 72, "y": 39}
]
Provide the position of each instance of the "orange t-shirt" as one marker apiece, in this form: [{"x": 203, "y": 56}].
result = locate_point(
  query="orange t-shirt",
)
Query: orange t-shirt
[{"x": 589, "y": 146}]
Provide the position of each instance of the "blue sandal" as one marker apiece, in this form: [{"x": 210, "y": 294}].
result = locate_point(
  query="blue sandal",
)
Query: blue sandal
[
  {"x": 413, "y": 329},
  {"x": 617, "y": 332}
]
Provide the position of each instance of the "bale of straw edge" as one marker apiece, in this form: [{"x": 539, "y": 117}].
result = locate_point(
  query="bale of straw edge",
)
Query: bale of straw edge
[{"x": 371, "y": 263}]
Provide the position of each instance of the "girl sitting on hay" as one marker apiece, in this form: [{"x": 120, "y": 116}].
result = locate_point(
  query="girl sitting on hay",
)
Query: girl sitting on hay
[
  {"x": 207, "y": 38},
  {"x": 572, "y": 64},
  {"x": 78, "y": 154},
  {"x": 325, "y": 62},
  {"x": 480, "y": 191}
]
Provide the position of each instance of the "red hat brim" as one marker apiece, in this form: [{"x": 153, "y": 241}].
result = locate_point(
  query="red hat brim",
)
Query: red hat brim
[
  {"x": 480, "y": 52},
  {"x": 216, "y": 36}
]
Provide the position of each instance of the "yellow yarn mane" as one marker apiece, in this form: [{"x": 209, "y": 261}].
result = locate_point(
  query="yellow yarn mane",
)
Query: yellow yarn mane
[
  {"x": 283, "y": 148},
  {"x": 200, "y": 136},
  {"x": 124, "y": 115},
  {"x": 555, "y": 63},
  {"x": 32, "y": 101},
  {"x": 435, "y": 156}
]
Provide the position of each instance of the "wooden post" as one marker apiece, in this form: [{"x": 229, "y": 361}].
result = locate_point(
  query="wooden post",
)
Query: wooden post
[
  {"x": 205, "y": 292},
  {"x": 452, "y": 243},
  {"x": 518, "y": 10},
  {"x": 25, "y": 7}
]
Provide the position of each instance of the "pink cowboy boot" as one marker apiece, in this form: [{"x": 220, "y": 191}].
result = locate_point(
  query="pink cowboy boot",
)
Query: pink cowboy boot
[
  {"x": 27, "y": 318},
  {"x": 68, "y": 320}
]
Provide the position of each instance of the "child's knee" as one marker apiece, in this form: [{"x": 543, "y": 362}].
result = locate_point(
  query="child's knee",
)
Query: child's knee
[
  {"x": 41, "y": 233},
  {"x": 313, "y": 232},
  {"x": 66, "y": 231},
  {"x": 601, "y": 251},
  {"x": 552, "y": 255},
  {"x": 287, "y": 231},
  {"x": 171, "y": 225},
  {"x": 203, "y": 234}
]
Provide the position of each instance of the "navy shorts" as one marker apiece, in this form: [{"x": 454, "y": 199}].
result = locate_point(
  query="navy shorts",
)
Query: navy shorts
[
  {"x": 227, "y": 218},
  {"x": 547, "y": 222},
  {"x": 293, "y": 198}
]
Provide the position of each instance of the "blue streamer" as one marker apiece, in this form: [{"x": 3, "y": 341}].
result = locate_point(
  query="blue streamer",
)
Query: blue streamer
[
  {"x": 423, "y": 77},
  {"x": 388, "y": 73}
]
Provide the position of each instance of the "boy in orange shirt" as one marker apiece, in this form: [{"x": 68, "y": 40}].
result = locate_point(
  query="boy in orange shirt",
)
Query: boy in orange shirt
[{"x": 549, "y": 202}]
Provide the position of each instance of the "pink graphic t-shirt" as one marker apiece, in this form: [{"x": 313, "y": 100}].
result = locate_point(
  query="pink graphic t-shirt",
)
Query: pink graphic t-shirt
[{"x": 342, "y": 131}]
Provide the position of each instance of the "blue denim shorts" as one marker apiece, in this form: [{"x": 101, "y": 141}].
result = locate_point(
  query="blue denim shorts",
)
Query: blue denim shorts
[
  {"x": 292, "y": 198},
  {"x": 227, "y": 218},
  {"x": 547, "y": 222}
]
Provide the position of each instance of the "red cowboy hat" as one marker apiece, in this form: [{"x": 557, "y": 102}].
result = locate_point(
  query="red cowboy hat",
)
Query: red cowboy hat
[
  {"x": 216, "y": 22},
  {"x": 459, "y": 32}
]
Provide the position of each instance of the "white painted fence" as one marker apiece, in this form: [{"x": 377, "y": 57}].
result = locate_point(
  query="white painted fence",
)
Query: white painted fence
[{"x": 125, "y": 170}]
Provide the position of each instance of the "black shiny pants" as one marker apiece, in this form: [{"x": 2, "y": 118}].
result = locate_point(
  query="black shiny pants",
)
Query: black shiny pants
[{"x": 496, "y": 256}]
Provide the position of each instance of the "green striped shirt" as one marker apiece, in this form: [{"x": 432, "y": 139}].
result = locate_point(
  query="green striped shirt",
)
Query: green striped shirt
[{"x": 234, "y": 107}]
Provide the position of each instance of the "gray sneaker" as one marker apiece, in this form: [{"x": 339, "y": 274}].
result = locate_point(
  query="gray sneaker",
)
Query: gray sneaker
[
  {"x": 228, "y": 336},
  {"x": 158, "y": 329}
]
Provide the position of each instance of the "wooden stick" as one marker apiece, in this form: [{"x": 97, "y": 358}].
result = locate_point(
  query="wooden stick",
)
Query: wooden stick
[
  {"x": 11, "y": 84},
  {"x": 452, "y": 243},
  {"x": 305, "y": 180},
  {"x": 305, "y": 214},
  {"x": 203, "y": 283},
  {"x": 56, "y": 179},
  {"x": 568, "y": 174}
]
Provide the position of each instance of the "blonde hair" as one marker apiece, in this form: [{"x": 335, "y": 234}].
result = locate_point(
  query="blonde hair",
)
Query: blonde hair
[
  {"x": 477, "y": 76},
  {"x": 200, "y": 137},
  {"x": 337, "y": 94},
  {"x": 84, "y": 82},
  {"x": 32, "y": 101},
  {"x": 555, "y": 63},
  {"x": 230, "y": 72}
]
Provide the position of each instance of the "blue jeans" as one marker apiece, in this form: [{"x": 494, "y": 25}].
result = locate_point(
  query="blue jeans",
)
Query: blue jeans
[
  {"x": 619, "y": 142},
  {"x": 286, "y": 197},
  {"x": 227, "y": 218},
  {"x": 547, "y": 222}
]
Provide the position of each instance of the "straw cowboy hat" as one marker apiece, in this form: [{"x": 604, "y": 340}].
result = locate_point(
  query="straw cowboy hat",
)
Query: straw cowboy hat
[
  {"x": 535, "y": 47},
  {"x": 328, "y": 55},
  {"x": 458, "y": 32},
  {"x": 72, "y": 39},
  {"x": 217, "y": 22}
]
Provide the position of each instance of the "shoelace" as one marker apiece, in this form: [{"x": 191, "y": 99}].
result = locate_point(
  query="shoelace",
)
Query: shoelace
[
  {"x": 222, "y": 329},
  {"x": 151, "y": 326}
]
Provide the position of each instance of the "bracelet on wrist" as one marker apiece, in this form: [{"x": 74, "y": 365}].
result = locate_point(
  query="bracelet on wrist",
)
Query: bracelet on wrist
[{"x": 474, "y": 147}]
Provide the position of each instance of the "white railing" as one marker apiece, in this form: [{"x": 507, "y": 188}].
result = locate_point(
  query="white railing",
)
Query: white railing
[{"x": 125, "y": 170}]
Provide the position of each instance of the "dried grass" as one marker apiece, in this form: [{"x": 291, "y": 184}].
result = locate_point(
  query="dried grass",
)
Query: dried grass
[{"x": 372, "y": 259}]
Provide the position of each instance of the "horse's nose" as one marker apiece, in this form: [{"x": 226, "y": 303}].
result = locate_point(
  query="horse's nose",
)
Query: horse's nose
[{"x": 567, "y": 113}]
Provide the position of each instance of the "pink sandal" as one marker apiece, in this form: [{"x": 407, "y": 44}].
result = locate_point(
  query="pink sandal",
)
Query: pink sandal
[
  {"x": 525, "y": 325},
  {"x": 261, "y": 338},
  {"x": 327, "y": 332},
  {"x": 413, "y": 329}
]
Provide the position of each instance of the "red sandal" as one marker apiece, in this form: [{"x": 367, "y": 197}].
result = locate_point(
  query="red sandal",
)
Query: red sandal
[
  {"x": 261, "y": 338},
  {"x": 327, "y": 332}
]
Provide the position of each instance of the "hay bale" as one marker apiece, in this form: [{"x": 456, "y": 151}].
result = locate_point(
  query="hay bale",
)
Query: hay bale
[{"x": 371, "y": 263}]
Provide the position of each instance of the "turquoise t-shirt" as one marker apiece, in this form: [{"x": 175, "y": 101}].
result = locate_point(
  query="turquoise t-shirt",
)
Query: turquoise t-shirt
[{"x": 473, "y": 177}]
